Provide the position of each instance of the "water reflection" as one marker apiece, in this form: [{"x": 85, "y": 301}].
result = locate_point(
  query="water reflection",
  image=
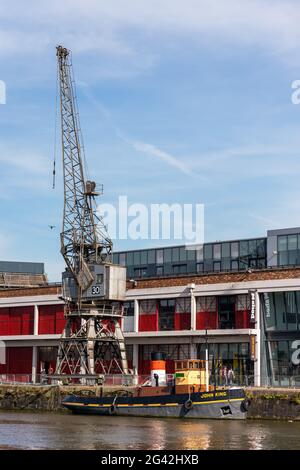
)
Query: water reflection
[{"x": 65, "y": 431}]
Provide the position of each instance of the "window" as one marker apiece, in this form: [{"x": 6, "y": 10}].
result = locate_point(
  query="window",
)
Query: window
[
  {"x": 116, "y": 258},
  {"x": 199, "y": 267},
  {"x": 129, "y": 258},
  {"x": 225, "y": 250},
  {"x": 244, "y": 250},
  {"x": 122, "y": 259},
  {"x": 183, "y": 305},
  {"x": 144, "y": 257},
  {"x": 191, "y": 254},
  {"x": 175, "y": 254},
  {"x": 136, "y": 258},
  {"x": 252, "y": 247},
  {"x": 151, "y": 256},
  {"x": 217, "y": 251},
  {"x": 140, "y": 272},
  {"x": 252, "y": 263},
  {"x": 147, "y": 307},
  {"x": 261, "y": 263},
  {"x": 217, "y": 265},
  {"x": 208, "y": 266},
  {"x": 159, "y": 270},
  {"x": 226, "y": 264},
  {"x": 291, "y": 310},
  {"x": 166, "y": 314},
  {"x": 168, "y": 255},
  {"x": 234, "y": 265},
  {"x": 243, "y": 302},
  {"x": 292, "y": 242},
  {"x": 283, "y": 258},
  {"x": 293, "y": 256},
  {"x": 159, "y": 256},
  {"x": 207, "y": 251},
  {"x": 282, "y": 243},
  {"x": 129, "y": 308},
  {"x": 234, "y": 246},
  {"x": 206, "y": 304},
  {"x": 199, "y": 253},
  {"x": 99, "y": 279},
  {"x": 261, "y": 248},
  {"x": 182, "y": 254},
  {"x": 179, "y": 268},
  {"x": 280, "y": 310}
]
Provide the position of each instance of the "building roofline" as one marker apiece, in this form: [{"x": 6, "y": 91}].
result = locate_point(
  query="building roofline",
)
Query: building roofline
[{"x": 191, "y": 245}]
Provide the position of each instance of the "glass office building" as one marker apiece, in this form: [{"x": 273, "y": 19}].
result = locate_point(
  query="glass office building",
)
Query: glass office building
[
  {"x": 279, "y": 248},
  {"x": 210, "y": 257},
  {"x": 281, "y": 336}
]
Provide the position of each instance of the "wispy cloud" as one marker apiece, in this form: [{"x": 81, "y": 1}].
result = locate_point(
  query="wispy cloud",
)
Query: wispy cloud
[
  {"x": 139, "y": 146},
  {"x": 27, "y": 161},
  {"x": 154, "y": 151},
  {"x": 265, "y": 220}
]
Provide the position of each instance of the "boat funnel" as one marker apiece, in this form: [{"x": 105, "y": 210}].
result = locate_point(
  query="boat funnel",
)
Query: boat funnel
[{"x": 158, "y": 369}]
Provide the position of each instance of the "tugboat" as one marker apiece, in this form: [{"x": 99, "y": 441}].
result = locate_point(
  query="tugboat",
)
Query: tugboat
[{"x": 188, "y": 396}]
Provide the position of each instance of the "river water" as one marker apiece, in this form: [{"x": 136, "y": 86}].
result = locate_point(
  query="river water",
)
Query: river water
[{"x": 26, "y": 430}]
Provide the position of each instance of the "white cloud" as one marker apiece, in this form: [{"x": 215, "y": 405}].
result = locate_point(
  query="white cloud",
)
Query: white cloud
[
  {"x": 26, "y": 161},
  {"x": 85, "y": 25}
]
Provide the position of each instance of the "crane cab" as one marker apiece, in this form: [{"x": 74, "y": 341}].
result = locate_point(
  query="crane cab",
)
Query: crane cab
[{"x": 109, "y": 283}]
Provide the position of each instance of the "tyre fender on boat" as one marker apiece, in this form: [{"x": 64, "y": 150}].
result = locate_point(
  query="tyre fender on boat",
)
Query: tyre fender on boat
[
  {"x": 245, "y": 405},
  {"x": 112, "y": 409},
  {"x": 188, "y": 405}
]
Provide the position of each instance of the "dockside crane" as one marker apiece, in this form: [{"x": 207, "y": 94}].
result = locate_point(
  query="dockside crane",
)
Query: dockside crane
[{"x": 93, "y": 288}]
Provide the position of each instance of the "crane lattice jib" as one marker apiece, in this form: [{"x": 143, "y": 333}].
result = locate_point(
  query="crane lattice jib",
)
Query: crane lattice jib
[{"x": 84, "y": 240}]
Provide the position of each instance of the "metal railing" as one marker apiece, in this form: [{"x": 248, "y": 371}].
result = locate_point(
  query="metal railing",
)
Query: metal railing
[
  {"x": 109, "y": 380},
  {"x": 115, "y": 380},
  {"x": 16, "y": 379},
  {"x": 277, "y": 381}
]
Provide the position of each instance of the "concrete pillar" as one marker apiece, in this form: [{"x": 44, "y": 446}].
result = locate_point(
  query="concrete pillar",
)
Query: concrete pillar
[
  {"x": 257, "y": 363},
  {"x": 34, "y": 363},
  {"x": 36, "y": 320},
  {"x": 136, "y": 316},
  {"x": 193, "y": 310},
  {"x": 135, "y": 358}
]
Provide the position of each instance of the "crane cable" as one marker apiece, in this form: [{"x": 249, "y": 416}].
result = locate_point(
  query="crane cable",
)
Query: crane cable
[
  {"x": 77, "y": 118},
  {"x": 55, "y": 132}
]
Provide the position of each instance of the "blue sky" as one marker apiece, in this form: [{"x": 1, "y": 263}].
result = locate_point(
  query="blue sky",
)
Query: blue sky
[{"x": 180, "y": 101}]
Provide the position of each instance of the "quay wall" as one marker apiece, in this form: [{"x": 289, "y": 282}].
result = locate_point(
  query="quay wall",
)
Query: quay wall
[{"x": 273, "y": 403}]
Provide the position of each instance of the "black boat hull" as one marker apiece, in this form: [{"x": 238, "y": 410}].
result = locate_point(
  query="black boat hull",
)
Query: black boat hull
[{"x": 221, "y": 404}]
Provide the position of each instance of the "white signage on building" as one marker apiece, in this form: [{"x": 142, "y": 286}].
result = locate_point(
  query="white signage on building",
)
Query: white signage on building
[
  {"x": 267, "y": 305},
  {"x": 253, "y": 307},
  {"x": 296, "y": 354}
]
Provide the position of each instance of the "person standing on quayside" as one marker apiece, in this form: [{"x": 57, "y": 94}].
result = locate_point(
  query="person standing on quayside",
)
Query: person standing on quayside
[
  {"x": 225, "y": 376},
  {"x": 156, "y": 379},
  {"x": 230, "y": 375}
]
